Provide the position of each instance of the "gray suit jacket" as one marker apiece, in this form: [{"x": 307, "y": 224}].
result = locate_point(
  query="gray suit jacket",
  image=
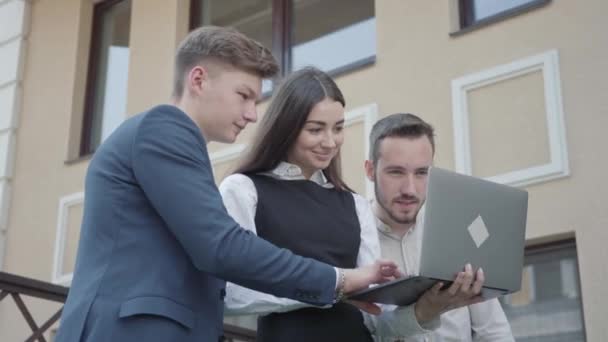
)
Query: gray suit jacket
[{"x": 157, "y": 245}]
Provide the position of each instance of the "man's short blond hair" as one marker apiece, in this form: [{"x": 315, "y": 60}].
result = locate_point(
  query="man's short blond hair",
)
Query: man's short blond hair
[{"x": 225, "y": 45}]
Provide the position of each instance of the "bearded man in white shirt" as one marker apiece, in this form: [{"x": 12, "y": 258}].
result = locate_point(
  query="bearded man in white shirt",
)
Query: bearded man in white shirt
[{"x": 402, "y": 148}]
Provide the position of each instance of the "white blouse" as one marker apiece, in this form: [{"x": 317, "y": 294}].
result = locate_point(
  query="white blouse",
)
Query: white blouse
[{"x": 240, "y": 198}]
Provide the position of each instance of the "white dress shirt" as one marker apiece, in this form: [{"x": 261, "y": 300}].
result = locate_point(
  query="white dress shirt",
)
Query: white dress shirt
[
  {"x": 484, "y": 321},
  {"x": 240, "y": 198}
]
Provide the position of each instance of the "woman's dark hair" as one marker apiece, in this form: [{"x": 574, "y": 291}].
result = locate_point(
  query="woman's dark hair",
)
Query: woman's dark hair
[{"x": 284, "y": 119}]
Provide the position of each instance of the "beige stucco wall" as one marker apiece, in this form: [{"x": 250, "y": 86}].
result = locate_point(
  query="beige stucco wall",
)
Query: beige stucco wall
[
  {"x": 416, "y": 62},
  {"x": 516, "y": 124}
]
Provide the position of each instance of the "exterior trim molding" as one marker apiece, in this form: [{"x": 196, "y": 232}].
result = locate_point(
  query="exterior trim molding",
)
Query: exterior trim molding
[
  {"x": 13, "y": 42},
  {"x": 227, "y": 154},
  {"x": 368, "y": 115},
  {"x": 65, "y": 202},
  {"x": 548, "y": 64}
]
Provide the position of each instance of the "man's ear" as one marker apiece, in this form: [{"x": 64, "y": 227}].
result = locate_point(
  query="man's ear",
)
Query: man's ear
[
  {"x": 196, "y": 80},
  {"x": 369, "y": 170}
]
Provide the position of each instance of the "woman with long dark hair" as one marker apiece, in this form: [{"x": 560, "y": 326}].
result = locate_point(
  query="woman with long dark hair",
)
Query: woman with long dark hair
[{"x": 288, "y": 189}]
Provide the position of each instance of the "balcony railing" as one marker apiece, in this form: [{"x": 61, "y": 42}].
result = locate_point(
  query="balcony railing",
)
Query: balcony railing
[{"x": 17, "y": 286}]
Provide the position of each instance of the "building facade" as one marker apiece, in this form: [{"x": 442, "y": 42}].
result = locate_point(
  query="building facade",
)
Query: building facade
[{"x": 515, "y": 90}]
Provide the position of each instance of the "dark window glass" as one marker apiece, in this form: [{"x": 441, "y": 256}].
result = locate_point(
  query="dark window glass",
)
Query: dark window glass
[
  {"x": 251, "y": 17},
  {"x": 473, "y": 12},
  {"x": 105, "y": 104},
  {"x": 333, "y": 34},
  {"x": 548, "y": 306}
]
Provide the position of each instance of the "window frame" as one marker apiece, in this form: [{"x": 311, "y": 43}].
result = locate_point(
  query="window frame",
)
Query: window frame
[
  {"x": 99, "y": 8},
  {"x": 547, "y": 250},
  {"x": 467, "y": 21},
  {"x": 282, "y": 26}
]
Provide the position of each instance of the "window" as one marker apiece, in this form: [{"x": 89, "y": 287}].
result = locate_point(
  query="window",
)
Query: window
[
  {"x": 480, "y": 12},
  {"x": 334, "y": 35},
  {"x": 548, "y": 306},
  {"x": 252, "y": 17},
  {"x": 106, "y": 93}
]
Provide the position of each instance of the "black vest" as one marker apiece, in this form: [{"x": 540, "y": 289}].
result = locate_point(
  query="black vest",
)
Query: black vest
[{"x": 318, "y": 223}]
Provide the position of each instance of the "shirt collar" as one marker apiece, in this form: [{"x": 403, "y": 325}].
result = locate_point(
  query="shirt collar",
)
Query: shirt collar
[
  {"x": 288, "y": 171},
  {"x": 383, "y": 227}
]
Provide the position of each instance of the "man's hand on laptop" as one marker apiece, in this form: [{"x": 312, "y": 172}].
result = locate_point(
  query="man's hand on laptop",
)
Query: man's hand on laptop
[
  {"x": 465, "y": 290},
  {"x": 379, "y": 272}
]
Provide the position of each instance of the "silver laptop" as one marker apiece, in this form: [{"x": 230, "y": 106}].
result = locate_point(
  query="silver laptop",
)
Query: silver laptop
[{"x": 467, "y": 220}]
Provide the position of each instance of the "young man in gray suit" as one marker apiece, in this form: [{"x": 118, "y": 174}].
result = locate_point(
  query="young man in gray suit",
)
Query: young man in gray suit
[{"x": 156, "y": 242}]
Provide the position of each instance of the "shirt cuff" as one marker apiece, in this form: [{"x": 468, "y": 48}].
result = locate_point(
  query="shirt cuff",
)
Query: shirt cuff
[
  {"x": 427, "y": 326},
  {"x": 337, "y": 278},
  {"x": 401, "y": 323}
]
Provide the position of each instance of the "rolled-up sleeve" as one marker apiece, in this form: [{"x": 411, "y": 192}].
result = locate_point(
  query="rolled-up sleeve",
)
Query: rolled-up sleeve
[{"x": 489, "y": 323}]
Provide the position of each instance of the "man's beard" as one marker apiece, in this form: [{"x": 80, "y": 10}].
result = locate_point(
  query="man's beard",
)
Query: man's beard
[{"x": 388, "y": 211}]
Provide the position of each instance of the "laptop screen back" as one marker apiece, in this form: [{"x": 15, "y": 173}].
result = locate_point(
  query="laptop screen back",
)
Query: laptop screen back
[{"x": 470, "y": 220}]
